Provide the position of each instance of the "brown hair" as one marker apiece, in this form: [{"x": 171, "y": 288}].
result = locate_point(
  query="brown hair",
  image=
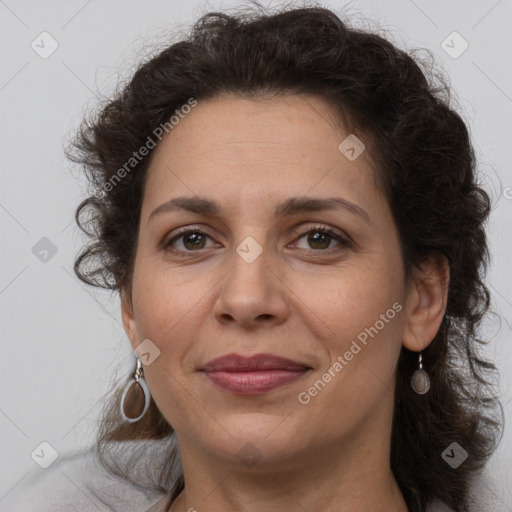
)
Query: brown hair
[{"x": 426, "y": 167}]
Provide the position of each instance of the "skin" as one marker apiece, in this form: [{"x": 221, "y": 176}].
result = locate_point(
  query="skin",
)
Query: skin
[{"x": 302, "y": 299}]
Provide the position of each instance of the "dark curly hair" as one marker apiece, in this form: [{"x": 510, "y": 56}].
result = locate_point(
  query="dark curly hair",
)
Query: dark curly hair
[{"x": 401, "y": 106}]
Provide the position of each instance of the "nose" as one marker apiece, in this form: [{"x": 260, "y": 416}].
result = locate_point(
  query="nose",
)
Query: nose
[{"x": 252, "y": 294}]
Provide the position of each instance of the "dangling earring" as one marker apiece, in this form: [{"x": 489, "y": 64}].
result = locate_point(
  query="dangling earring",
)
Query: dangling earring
[
  {"x": 135, "y": 398},
  {"x": 420, "y": 381}
]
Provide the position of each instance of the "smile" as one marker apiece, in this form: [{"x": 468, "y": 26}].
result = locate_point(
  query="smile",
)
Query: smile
[{"x": 253, "y": 375}]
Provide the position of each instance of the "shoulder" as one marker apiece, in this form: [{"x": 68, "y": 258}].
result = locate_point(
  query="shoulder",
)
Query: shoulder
[
  {"x": 78, "y": 482},
  {"x": 484, "y": 494},
  {"x": 160, "y": 505},
  {"x": 439, "y": 506}
]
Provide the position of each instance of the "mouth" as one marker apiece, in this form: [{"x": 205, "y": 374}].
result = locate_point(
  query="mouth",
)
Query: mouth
[{"x": 253, "y": 375}]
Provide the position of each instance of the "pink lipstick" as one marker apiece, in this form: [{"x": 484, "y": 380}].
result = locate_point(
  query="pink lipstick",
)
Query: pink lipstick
[{"x": 253, "y": 375}]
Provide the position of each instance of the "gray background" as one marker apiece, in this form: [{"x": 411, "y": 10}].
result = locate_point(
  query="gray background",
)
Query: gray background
[{"x": 61, "y": 342}]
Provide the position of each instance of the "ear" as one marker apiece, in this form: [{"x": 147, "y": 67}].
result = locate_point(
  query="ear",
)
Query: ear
[
  {"x": 426, "y": 302},
  {"x": 128, "y": 317}
]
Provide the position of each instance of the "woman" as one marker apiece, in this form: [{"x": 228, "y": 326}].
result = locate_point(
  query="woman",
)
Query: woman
[{"x": 289, "y": 210}]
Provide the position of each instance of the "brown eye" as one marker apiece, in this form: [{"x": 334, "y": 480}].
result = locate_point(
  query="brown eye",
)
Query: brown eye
[
  {"x": 194, "y": 241},
  {"x": 191, "y": 240},
  {"x": 320, "y": 238}
]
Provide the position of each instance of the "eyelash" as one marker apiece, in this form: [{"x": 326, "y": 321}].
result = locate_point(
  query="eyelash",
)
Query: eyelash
[{"x": 344, "y": 242}]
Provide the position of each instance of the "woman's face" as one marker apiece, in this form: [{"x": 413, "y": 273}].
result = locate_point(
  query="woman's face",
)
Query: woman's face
[{"x": 258, "y": 274}]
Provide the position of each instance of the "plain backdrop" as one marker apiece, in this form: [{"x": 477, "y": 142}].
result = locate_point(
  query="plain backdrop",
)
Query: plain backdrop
[{"x": 61, "y": 341}]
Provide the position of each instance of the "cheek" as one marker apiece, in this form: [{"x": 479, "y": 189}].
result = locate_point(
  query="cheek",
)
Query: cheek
[
  {"x": 166, "y": 313},
  {"x": 347, "y": 302},
  {"x": 363, "y": 316},
  {"x": 165, "y": 303},
  {"x": 360, "y": 319}
]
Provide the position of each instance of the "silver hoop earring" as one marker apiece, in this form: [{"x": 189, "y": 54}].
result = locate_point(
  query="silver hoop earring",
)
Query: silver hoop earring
[
  {"x": 420, "y": 381},
  {"x": 136, "y": 397}
]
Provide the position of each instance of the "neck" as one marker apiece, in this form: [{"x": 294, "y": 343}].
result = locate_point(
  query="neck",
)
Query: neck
[
  {"x": 272, "y": 493},
  {"x": 356, "y": 478}
]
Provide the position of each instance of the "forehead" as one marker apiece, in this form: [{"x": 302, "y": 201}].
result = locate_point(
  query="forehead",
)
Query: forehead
[
  {"x": 273, "y": 122},
  {"x": 235, "y": 146}
]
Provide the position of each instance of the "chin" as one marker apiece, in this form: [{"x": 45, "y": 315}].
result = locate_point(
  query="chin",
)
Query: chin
[{"x": 256, "y": 438}]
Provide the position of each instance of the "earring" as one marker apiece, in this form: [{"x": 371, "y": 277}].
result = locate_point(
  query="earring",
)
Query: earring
[
  {"x": 420, "y": 381},
  {"x": 135, "y": 398}
]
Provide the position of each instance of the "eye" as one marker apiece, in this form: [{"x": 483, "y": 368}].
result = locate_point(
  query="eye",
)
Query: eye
[
  {"x": 320, "y": 237},
  {"x": 190, "y": 240}
]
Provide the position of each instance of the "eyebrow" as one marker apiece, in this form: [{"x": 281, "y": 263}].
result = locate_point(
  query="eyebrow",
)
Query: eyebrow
[{"x": 289, "y": 207}]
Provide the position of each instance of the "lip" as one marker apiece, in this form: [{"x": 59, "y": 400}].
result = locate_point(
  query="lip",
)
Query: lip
[{"x": 253, "y": 375}]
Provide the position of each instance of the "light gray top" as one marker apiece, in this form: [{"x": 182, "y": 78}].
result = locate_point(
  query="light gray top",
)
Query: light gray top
[{"x": 78, "y": 483}]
